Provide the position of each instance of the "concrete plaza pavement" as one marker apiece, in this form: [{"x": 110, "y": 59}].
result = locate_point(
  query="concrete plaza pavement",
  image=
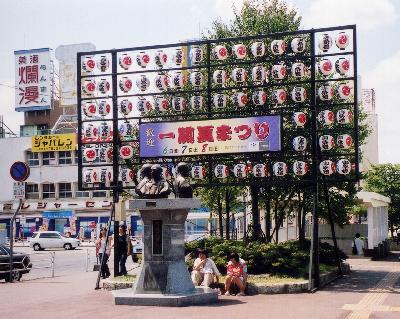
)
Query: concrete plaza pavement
[{"x": 372, "y": 290}]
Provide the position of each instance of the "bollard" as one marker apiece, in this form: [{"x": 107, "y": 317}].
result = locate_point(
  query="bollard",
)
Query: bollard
[
  {"x": 53, "y": 257},
  {"x": 87, "y": 260}
]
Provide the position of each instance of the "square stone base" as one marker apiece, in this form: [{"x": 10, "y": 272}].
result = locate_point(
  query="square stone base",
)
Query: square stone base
[{"x": 198, "y": 297}]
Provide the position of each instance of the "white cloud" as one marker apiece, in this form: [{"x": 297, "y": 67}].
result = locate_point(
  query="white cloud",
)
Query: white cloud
[
  {"x": 385, "y": 79},
  {"x": 224, "y": 8},
  {"x": 367, "y": 14}
]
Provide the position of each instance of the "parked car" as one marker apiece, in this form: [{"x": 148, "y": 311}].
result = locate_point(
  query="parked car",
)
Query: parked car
[
  {"x": 137, "y": 250},
  {"x": 21, "y": 264},
  {"x": 52, "y": 239}
]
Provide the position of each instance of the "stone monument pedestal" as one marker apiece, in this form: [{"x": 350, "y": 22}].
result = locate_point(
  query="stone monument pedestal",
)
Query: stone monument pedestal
[{"x": 164, "y": 279}]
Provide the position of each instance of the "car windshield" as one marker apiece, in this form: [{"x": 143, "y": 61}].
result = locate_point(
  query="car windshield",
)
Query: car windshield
[
  {"x": 6, "y": 249},
  {"x": 34, "y": 235}
]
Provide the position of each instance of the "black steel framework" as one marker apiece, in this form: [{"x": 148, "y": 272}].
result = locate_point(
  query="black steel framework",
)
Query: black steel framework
[{"x": 311, "y": 131}]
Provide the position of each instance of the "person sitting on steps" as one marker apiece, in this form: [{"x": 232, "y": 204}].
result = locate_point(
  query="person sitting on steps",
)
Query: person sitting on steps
[
  {"x": 204, "y": 270},
  {"x": 235, "y": 275}
]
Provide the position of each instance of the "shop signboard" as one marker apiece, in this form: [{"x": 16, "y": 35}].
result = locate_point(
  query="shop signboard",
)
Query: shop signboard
[
  {"x": 236, "y": 135},
  {"x": 56, "y": 142},
  {"x": 57, "y": 214},
  {"x": 33, "y": 80}
]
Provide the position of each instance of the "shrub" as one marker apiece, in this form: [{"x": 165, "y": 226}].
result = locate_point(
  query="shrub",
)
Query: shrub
[{"x": 284, "y": 258}]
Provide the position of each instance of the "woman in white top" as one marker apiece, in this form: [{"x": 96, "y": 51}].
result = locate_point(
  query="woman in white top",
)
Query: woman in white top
[{"x": 100, "y": 249}]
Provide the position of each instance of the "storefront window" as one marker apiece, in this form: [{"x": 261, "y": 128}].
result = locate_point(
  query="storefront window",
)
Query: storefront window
[
  {"x": 32, "y": 191},
  {"x": 33, "y": 158},
  {"x": 49, "y": 158},
  {"x": 65, "y": 190},
  {"x": 64, "y": 158},
  {"x": 28, "y": 229},
  {"x": 85, "y": 229},
  {"x": 48, "y": 191}
]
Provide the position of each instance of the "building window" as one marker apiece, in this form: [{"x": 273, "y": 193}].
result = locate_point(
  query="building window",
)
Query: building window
[
  {"x": 79, "y": 193},
  {"x": 64, "y": 158},
  {"x": 49, "y": 158},
  {"x": 76, "y": 157},
  {"x": 48, "y": 191},
  {"x": 32, "y": 191},
  {"x": 99, "y": 194},
  {"x": 33, "y": 158},
  {"x": 65, "y": 190}
]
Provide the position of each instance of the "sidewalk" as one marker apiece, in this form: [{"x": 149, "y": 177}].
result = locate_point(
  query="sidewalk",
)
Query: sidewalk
[{"x": 75, "y": 297}]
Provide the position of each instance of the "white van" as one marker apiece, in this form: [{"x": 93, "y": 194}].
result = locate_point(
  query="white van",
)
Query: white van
[{"x": 52, "y": 239}]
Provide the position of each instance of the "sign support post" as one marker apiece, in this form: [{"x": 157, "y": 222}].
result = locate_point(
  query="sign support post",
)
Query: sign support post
[{"x": 12, "y": 238}]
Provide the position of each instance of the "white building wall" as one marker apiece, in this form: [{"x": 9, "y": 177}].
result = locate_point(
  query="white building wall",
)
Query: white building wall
[{"x": 12, "y": 151}]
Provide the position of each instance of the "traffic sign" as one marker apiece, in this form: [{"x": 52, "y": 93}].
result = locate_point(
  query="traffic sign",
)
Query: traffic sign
[
  {"x": 19, "y": 171},
  {"x": 19, "y": 190}
]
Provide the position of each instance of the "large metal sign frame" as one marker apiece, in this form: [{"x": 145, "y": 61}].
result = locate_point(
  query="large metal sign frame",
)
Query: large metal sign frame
[{"x": 312, "y": 107}]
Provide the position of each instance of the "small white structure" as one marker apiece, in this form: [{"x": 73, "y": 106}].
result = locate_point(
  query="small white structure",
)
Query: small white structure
[{"x": 377, "y": 208}]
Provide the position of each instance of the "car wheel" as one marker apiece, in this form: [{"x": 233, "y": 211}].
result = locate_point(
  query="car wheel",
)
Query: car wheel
[
  {"x": 16, "y": 276},
  {"x": 36, "y": 247},
  {"x": 67, "y": 246}
]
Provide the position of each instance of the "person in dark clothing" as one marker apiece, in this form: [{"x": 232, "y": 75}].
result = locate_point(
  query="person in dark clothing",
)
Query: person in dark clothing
[{"x": 124, "y": 249}]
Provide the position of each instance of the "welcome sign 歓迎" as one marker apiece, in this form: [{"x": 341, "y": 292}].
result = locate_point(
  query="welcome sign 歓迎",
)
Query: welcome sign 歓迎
[{"x": 221, "y": 136}]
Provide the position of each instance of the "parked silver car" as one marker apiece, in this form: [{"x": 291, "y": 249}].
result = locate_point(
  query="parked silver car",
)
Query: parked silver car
[{"x": 52, "y": 239}]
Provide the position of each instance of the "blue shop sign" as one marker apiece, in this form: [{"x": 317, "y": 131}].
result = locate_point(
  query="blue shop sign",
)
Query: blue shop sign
[
  {"x": 57, "y": 214},
  {"x": 201, "y": 209}
]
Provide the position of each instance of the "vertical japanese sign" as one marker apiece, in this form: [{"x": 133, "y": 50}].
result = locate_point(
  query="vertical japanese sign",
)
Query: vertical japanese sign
[{"x": 32, "y": 80}]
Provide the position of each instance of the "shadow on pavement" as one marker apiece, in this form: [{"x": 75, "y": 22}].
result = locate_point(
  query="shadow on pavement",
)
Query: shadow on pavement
[
  {"x": 225, "y": 302},
  {"x": 362, "y": 280}
]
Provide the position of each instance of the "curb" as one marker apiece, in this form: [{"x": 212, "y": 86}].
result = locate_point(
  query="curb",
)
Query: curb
[
  {"x": 258, "y": 289},
  {"x": 294, "y": 288},
  {"x": 115, "y": 285}
]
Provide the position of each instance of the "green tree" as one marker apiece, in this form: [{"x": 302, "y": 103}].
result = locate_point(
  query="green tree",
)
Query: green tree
[
  {"x": 263, "y": 17},
  {"x": 385, "y": 180},
  {"x": 257, "y": 17},
  {"x": 220, "y": 199}
]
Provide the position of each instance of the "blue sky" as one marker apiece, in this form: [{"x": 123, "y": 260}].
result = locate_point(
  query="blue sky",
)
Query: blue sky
[{"x": 26, "y": 24}]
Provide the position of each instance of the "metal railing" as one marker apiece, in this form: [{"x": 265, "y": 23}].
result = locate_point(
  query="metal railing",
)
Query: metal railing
[
  {"x": 91, "y": 260},
  {"x": 48, "y": 263}
]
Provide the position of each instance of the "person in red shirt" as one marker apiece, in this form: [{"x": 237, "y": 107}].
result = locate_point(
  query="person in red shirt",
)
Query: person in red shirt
[{"x": 235, "y": 275}]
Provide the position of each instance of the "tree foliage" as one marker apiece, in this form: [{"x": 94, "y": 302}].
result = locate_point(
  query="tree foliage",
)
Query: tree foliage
[
  {"x": 385, "y": 180},
  {"x": 271, "y": 16},
  {"x": 220, "y": 199},
  {"x": 257, "y": 17}
]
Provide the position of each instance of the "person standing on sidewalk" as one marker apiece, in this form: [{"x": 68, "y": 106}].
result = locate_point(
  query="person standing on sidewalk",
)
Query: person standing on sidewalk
[
  {"x": 124, "y": 249},
  {"x": 100, "y": 243},
  {"x": 358, "y": 243}
]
